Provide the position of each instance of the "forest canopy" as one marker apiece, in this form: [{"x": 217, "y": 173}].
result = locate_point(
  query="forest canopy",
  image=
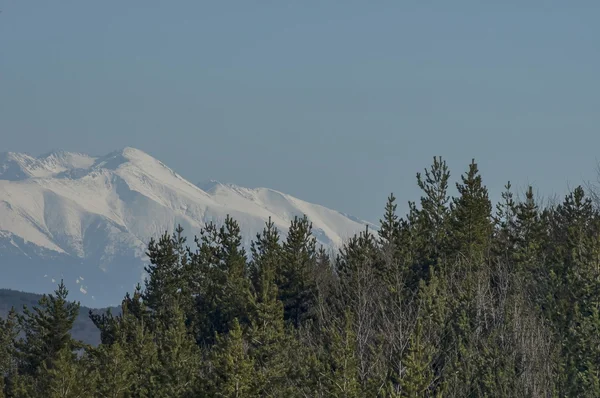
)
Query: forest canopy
[{"x": 458, "y": 298}]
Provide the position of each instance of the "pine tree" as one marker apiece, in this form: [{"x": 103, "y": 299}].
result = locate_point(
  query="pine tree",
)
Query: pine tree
[
  {"x": 47, "y": 330},
  {"x": 471, "y": 216},
  {"x": 142, "y": 352},
  {"x": 205, "y": 280},
  {"x": 392, "y": 246},
  {"x": 267, "y": 336},
  {"x": 296, "y": 277},
  {"x": 167, "y": 261},
  {"x": 357, "y": 270},
  {"x": 342, "y": 368},
  {"x": 20, "y": 386},
  {"x": 268, "y": 347},
  {"x": 8, "y": 335},
  {"x": 106, "y": 324},
  {"x": 231, "y": 373},
  {"x": 418, "y": 377},
  {"x": 529, "y": 230},
  {"x": 128, "y": 354},
  {"x": 115, "y": 371},
  {"x": 65, "y": 377},
  {"x": 390, "y": 225},
  {"x": 233, "y": 258},
  {"x": 422, "y": 363},
  {"x": 573, "y": 296},
  {"x": 219, "y": 279},
  {"x": 505, "y": 226},
  {"x": 178, "y": 357},
  {"x": 134, "y": 330},
  {"x": 266, "y": 252},
  {"x": 434, "y": 213},
  {"x": 326, "y": 282}
]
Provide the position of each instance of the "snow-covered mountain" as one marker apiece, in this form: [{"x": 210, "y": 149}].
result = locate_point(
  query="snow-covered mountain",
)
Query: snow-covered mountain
[{"x": 87, "y": 219}]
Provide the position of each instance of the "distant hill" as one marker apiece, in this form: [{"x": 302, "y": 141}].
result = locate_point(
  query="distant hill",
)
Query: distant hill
[{"x": 83, "y": 329}]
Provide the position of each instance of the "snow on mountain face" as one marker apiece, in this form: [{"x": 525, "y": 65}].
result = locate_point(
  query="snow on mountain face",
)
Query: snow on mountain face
[
  {"x": 19, "y": 166},
  {"x": 87, "y": 219}
]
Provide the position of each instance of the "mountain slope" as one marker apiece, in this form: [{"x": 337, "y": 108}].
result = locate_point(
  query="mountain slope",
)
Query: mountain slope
[{"x": 87, "y": 219}]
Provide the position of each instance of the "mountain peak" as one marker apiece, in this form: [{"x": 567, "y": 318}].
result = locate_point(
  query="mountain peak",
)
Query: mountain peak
[
  {"x": 134, "y": 153},
  {"x": 125, "y": 155}
]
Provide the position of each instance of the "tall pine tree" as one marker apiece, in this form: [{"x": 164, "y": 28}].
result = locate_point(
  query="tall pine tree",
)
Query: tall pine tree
[
  {"x": 296, "y": 276},
  {"x": 46, "y": 330},
  {"x": 471, "y": 216}
]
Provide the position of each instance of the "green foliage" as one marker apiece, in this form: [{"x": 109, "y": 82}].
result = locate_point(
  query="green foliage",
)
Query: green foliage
[
  {"x": 268, "y": 341},
  {"x": 448, "y": 301},
  {"x": 46, "y": 331},
  {"x": 8, "y": 335},
  {"x": 114, "y": 371},
  {"x": 433, "y": 216},
  {"x": 389, "y": 228},
  {"x": 231, "y": 373},
  {"x": 178, "y": 359},
  {"x": 341, "y": 365},
  {"x": 217, "y": 278},
  {"x": 65, "y": 377},
  {"x": 418, "y": 377},
  {"x": 83, "y": 328},
  {"x": 505, "y": 225},
  {"x": 295, "y": 279},
  {"x": 471, "y": 216},
  {"x": 167, "y": 260}
]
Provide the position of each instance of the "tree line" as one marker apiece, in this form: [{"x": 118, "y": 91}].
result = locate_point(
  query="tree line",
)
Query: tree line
[{"x": 458, "y": 298}]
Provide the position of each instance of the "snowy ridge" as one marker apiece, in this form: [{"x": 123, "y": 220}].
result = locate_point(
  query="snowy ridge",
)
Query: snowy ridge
[{"x": 88, "y": 219}]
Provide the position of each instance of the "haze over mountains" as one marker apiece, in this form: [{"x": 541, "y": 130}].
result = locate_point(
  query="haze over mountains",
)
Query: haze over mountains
[{"x": 88, "y": 219}]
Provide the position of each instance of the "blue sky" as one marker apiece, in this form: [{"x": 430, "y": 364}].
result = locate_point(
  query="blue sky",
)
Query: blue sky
[{"x": 336, "y": 102}]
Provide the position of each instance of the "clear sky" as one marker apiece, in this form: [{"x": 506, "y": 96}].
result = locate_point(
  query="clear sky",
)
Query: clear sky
[{"x": 335, "y": 102}]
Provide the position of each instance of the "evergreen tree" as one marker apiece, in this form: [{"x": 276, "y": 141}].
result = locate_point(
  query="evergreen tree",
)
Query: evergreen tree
[
  {"x": 471, "y": 216},
  {"x": 505, "y": 226},
  {"x": 206, "y": 279},
  {"x": 115, "y": 371},
  {"x": 392, "y": 266},
  {"x": 342, "y": 368},
  {"x": 266, "y": 253},
  {"x": 267, "y": 336},
  {"x": 418, "y": 377},
  {"x": 573, "y": 296},
  {"x": 390, "y": 225},
  {"x": 219, "y": 280},
  {"x": 231, "y": 373},
  {"x": 422, "y": 365},
  {"x": 233, "y": 259},
  {"x": 530, "y": 231},
  {"x": 296, "y": 277},
  {"x": 46, "y": 331},
  {"x": 128, "y": 355},
  {"x": 106, "y": 324},
  {"x": 8, "y": 335},
  {"x": 65, "y": 377},
  {"x": 133, "y": 329},
  {"x": 167, "y": 261},
  {"x": 326, "y": 283},
  {"x": 142, "y": 352},
  {"x": 178, "y": 357},
  {"x": 434, "y": 214},
  {"x": 356, "y": 268}
]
